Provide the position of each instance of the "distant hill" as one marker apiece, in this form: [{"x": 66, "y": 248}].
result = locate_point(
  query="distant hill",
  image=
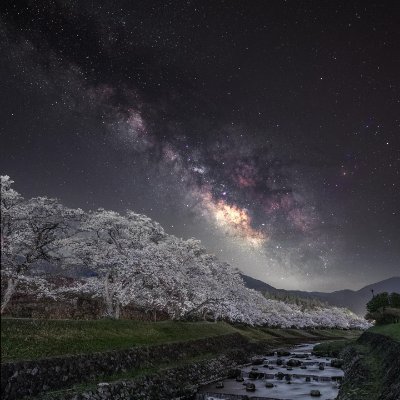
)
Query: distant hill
[{"x": 353, "y": 300}]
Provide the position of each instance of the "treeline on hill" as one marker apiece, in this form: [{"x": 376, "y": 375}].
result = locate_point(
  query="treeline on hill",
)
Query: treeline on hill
[
  {"x": 305, "y": 303},
  {"x": 133, "y": 262},
  {"x": 384, "y": 308}
]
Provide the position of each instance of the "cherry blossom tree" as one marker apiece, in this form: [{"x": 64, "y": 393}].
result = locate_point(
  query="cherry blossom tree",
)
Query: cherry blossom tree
[
  {"x": 164, "y": 286},
  {"x": 136, "y": 263},
  {"x": 31, "y": 230},
  {"x": 113, "y": 246}
]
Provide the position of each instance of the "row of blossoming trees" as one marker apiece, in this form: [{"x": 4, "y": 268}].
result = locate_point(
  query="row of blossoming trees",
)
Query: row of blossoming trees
[{"x": 133, "y": 262}]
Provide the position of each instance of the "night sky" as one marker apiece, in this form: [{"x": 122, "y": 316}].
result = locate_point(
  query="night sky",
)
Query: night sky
[{"x": 267, "y": 129}]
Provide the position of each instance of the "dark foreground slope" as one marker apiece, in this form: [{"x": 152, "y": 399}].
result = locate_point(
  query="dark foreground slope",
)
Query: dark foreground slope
[{"x": 372, "y": 366}]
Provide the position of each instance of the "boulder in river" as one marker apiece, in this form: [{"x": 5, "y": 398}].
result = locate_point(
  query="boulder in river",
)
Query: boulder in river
[
  {"x": 293, "y": 363},
  {"x": 269, "y": 385},
  {"x": 255, "y": 375},
  {"x": 315, "y": 393},
  {"x": 258, "y": 361},
  {"x": 251, "y": 387},
  {"x": 280, "y": 376}
]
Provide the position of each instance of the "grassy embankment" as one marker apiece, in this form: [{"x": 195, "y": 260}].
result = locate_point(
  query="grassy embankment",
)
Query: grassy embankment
[
  {"x": 371, "y": 383},
  {"x": 333, "y": 348},
  {"x": 391, "y": 330},
  {"x": 25, "y": 339}
]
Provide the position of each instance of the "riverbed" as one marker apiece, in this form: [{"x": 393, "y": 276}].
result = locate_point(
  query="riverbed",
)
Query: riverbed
[{"x": 279, "y": 376}]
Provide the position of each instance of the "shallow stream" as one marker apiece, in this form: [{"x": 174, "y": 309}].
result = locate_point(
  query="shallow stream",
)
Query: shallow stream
[{"x": 296, "y": 381}]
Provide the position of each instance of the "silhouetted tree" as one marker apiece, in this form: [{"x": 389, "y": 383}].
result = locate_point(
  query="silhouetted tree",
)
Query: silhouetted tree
[
  {"x": 394, "y": 300},
  {"x": 379, "y": 301}
]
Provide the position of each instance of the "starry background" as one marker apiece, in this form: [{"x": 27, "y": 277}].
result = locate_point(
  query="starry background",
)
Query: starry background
[{"x": 269, "y": 130}]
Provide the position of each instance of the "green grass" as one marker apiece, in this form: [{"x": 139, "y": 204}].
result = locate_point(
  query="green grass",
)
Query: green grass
[
  {"x": 279, "y": 335},
  {"x": 254, "y": 334},
  {"x": 331, "y": 348},
  {"x": 338, "y": 333},
  {"x": 368, "y": 383},
  {"x": 391, "y": 330},
  {"x": 30, "y": 339},
  {"x": 371, "y": 379},
  {"x": 334, "y": 347},
  {"x": 26, "y": 339},
  {"x": 373, "y": 361}
]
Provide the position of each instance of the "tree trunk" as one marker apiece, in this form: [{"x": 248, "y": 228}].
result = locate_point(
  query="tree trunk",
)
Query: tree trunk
[
  {"x": 117, "y": 310},
  {"x": 108, "y": 297},
  {"x": 10, "y": 290}
]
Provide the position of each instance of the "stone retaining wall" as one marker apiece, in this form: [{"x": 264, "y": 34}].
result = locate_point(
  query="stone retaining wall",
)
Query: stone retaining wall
[
  {"x": 29, "y": 378},
  {"x": 175, "y": 383}
]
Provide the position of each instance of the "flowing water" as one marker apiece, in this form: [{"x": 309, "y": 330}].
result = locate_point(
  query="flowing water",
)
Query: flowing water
[{"x": 285, "y": 382}]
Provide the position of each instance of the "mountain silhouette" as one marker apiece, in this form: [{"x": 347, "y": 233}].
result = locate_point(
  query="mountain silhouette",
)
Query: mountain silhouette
[{"x": 354, "y": 300}]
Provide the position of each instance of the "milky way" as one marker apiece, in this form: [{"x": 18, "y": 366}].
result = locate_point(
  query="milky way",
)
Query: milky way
[{"x": 241, "y": 125}]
